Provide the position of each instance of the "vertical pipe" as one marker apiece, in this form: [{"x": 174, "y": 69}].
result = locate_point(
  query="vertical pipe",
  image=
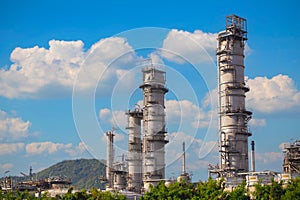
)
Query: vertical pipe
[
  {"x": 109, "y": 158},
  {"x": 252, "y": 157},
  {"x": 183, "y": 159},
  {"x": 30, "y": 173}
]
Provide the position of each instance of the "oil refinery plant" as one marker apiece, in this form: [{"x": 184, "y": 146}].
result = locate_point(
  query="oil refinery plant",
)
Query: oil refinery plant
[{"x": 145, "y": 163}]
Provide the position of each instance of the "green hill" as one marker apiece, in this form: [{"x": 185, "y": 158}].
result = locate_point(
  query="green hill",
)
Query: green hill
[{"x": 84, "y": 173}]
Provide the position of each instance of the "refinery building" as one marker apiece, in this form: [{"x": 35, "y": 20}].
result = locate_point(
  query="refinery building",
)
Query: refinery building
[{"x": 145, "y": 163}]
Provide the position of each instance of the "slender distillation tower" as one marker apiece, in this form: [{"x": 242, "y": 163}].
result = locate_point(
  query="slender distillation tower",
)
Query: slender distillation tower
[
  {"x": 110, "y": 158},
  {"x": 134, "y": 150},
  {"x": 233, "y": 116},
  {"x": 184, "y": 175},
  {"x": 154, "y": 130}
]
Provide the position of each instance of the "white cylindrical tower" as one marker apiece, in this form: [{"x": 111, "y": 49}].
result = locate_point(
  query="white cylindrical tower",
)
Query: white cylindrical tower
[
  {"x": 109, "y": 158},
  {"x": 134, "y": 151},
  {"x": 154, "y": 130},
  {"x": 233, "y": 116}
]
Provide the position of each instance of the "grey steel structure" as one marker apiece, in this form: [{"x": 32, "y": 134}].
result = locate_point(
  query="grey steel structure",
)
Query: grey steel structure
[
  {"x": 134, "y": 150},
  {"x": 291, "y": 161},
  {"x": 120, "y": 174},
  {"x": 233, "y": 116},
  {"x": 109, "y": 158},
  {"x": 154, "y": 130}
]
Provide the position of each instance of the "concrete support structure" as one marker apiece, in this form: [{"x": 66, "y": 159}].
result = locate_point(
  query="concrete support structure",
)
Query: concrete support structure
[
  {"x": 109, "y": 158},
  {"x": 134, "y": 151},
  {"x": 154, "y": 130},
  {"x": 233, "y": 116}
]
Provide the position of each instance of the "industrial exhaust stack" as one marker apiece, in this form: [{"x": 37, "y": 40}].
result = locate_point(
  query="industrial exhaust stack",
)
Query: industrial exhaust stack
[
  {"x": 252, "y": 157},
  {"x": 184, "y": 176},
  {"x": 183, "y": 159}
]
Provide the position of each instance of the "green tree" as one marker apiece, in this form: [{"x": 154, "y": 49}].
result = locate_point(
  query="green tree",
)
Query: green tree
[
  {"x": 159, "y": 192},
  {"x": 292, "y": 190},
  {"x": 180, "y": 190},
  {"x": 239, "y": 193},
  {"x": 276, "y": 190},
  {"x": 261, "y": 192},
  {"x": 211, "y": 189}
]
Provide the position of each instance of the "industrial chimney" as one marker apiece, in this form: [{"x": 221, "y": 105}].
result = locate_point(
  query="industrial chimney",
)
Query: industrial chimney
[
  {"x": 184, "y": 176},
  {"x": 252, "y": 157}
]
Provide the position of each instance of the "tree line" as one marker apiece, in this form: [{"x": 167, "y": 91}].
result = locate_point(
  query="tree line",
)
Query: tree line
[
  {"x": 210, "y": 189},
  {"x": 215, "y": 190}
]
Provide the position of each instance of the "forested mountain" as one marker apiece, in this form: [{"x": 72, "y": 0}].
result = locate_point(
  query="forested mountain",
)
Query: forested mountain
[{"x": 84, "y": 173}]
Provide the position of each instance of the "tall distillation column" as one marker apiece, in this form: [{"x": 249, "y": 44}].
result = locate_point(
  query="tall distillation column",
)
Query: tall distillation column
[
  {"x": 109, "y": 158},
  {"x": 154, "y": 130},
  {"x": 233, "y": 116},
  {"x": 134, "y": 150}
]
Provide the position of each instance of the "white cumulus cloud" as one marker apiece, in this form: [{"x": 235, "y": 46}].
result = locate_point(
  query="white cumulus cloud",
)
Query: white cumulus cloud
[
  {"x": 186, "y": 112},
  {"x": 116, "y": 118},
  {"x": 39, "y": 72},
  {"x": 269, "y": 157},
  {"x": 193, "y": 146},
  {"x": 12, "y": 128},
  {"x": 10, "y": 148},
  {"x": 48, "y": 147},
  {"x": 257, "y": 122},
  {"x": 105, "y": 114},
  {"x": 197, "y": 47},
  {"x": 276, "y": 94}
]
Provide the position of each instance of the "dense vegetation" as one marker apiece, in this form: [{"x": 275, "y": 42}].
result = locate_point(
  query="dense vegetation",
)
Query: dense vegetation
[
  {"x": 84, "y": 173},
  {"x": 94, "y": 194},
  {"x": 210, "y": 189}
]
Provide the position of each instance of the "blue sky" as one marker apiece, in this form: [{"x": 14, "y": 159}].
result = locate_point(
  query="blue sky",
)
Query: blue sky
[{"x": 44, "y": 44}]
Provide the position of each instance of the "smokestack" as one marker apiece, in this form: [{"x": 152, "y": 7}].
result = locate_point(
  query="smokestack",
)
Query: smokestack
[
  {"x": 252, "y": 157},
  {"x": 30, "y": 173},
  {"x": 110, "y": 157},
  {"x": 183, "y": 159}
]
